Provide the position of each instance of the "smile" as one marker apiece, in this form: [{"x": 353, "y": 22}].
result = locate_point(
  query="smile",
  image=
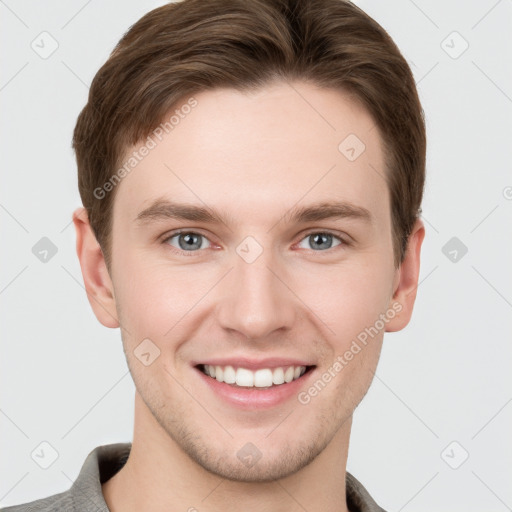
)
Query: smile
[{"x": 261, "y": 378}]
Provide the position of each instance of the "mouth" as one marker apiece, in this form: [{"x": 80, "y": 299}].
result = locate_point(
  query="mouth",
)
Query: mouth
[{"x": 260, "y": 378}]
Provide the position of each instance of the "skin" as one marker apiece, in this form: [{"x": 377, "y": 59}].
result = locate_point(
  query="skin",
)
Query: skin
[{"x": 253, "y": 157}]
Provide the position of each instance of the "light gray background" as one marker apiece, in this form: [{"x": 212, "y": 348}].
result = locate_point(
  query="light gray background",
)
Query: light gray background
[{"x": 445, "y": 378}]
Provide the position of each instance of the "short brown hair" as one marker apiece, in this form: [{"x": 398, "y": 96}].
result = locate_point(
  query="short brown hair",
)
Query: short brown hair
[{"x": 190, "y": 46}]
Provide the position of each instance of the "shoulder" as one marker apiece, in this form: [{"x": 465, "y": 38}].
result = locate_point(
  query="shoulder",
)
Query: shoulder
[
  {"x": 85, "y": 494},
  {"x": 62, "y": 501}
]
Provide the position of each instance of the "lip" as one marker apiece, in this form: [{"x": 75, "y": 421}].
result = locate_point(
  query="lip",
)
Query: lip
[
  {"x": 254, "y": 364},
  {"x": 250, "y": 399}
]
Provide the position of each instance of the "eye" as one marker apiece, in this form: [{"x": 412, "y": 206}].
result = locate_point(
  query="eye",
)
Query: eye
[
  {"x": 322, "y": 240},
  {"x": 187, "y": 241}
]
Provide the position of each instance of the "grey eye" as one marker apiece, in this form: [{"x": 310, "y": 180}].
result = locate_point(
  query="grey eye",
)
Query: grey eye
[
  {"x": 321, "y": 241},
  {"x": 188, "y": 241}
]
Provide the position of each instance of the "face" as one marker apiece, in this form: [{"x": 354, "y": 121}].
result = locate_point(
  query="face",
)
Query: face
[{"x": 255, "y": 285}]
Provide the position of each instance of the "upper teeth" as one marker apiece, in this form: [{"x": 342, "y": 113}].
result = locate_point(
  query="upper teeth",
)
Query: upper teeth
[{"x": 262, "y": 378}]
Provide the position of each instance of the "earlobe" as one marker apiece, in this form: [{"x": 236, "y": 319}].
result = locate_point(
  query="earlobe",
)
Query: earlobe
[
  {"x": 98, "y": 284},
  {"x": 406, "y": 281}
]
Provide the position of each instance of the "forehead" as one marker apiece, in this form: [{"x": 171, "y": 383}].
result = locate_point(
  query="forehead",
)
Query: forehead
[{"x": 262, "y": 153}]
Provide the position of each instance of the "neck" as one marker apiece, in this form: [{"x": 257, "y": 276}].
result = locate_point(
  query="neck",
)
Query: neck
[{"x": 159, "y": 475}]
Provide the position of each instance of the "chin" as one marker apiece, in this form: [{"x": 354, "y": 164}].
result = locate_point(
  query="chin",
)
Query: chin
[{"x": 260, "y": 471}]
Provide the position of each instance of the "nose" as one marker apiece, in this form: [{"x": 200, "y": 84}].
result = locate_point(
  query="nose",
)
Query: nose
[{"x": 256, "y": 298}]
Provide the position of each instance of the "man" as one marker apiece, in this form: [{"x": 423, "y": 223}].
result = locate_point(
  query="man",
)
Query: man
[{"x": 252, "y": 175}]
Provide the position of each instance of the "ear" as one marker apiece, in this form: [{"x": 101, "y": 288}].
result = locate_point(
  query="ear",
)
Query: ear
[
  {"x": 405, "y": 283},
  {"x": 98, "y": 285}
]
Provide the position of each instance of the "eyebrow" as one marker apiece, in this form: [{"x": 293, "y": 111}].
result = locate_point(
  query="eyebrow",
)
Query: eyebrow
[{"x": 163, "y": 209}]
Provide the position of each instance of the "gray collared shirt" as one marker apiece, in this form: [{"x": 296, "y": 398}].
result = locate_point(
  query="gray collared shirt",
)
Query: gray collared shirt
[{"x": 105, "y": 461}]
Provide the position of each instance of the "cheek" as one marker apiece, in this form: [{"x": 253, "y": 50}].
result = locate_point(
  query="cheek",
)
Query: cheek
[
  {"x": 347, "y": 299},
  {"x": 155, "y": 300}
]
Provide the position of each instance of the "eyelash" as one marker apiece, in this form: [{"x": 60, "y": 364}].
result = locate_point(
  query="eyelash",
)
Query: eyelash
[{"x": 169, "y": 236}]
